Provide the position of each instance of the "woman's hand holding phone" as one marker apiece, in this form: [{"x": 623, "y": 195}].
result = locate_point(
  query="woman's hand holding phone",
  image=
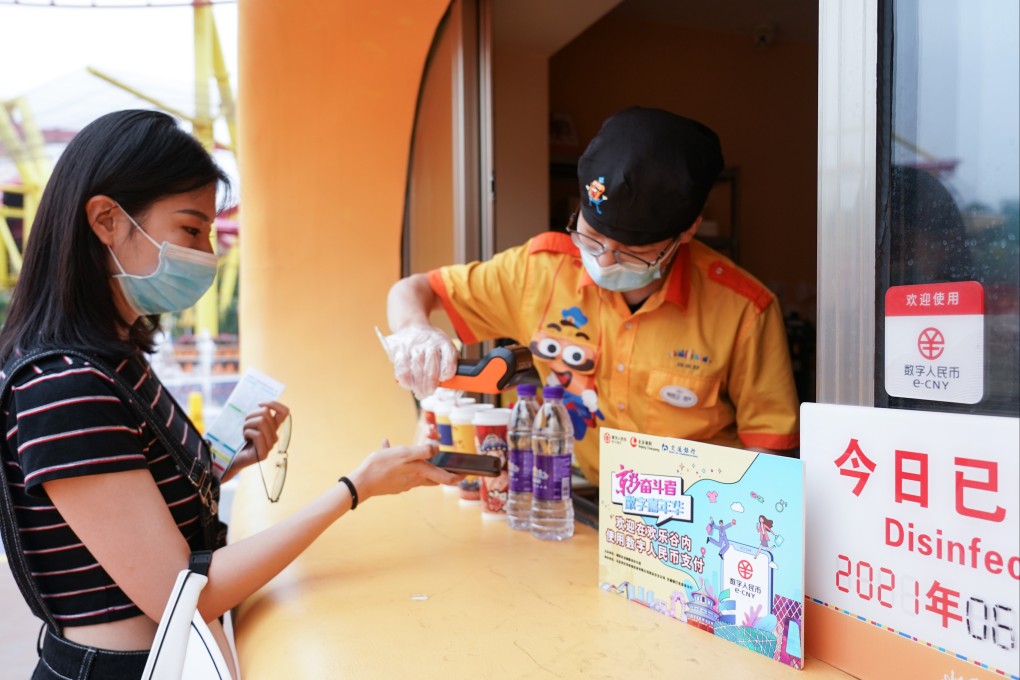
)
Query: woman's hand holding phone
[{"x": 393, "y": 470}]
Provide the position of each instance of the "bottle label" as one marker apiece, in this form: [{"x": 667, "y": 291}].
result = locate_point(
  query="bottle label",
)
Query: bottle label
[
  {"x": 552, "y": 477},
  {"x": 520, "y": 466}
]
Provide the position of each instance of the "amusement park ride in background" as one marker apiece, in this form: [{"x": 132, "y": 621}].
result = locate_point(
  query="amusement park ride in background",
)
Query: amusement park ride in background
[{"x": 24, "y": 142}]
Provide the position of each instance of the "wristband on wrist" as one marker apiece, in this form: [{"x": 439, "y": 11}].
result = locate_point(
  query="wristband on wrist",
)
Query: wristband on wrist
[{"x": 354, "y": 492}]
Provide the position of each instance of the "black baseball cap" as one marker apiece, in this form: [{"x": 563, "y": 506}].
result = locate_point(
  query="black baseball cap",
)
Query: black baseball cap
[{"x": 645, "y": 176}]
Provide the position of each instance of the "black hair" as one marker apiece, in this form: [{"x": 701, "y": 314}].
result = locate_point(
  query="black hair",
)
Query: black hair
[{"x": 63, "y": 296}]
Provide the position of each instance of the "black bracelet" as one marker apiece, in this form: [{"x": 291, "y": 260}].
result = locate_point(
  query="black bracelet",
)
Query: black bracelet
[{"x": 354, "y": 492}]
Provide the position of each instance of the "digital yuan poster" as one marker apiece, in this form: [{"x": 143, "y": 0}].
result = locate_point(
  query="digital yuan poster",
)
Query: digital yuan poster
[{"x": 708, "y": 535}]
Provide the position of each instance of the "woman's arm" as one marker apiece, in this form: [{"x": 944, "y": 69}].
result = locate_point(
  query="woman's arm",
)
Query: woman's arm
[{"x": 124, "y": 522}]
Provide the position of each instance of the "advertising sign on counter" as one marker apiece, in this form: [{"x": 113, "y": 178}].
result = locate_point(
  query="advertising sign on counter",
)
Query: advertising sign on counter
[
  {"x": 914, "y": 535},
  {"x": 706, "y": 534}
]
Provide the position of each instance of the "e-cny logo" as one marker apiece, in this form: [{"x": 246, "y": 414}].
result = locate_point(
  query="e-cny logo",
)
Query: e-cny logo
[{"x": 931, "y": 343}]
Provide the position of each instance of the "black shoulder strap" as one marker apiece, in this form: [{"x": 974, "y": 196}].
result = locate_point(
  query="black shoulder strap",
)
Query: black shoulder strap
[
  {"x": 197, "y": 470},
  {"x": 11, "y": 535}
]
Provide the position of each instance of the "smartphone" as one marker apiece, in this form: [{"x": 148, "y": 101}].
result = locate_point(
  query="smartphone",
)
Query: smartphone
[{"x": 468, "y": 463}]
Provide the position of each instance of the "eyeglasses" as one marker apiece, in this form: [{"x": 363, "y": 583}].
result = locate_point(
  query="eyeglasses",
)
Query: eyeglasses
[
  {"x": 276, "y": 461},
  {"x": 626, "y": 260}
]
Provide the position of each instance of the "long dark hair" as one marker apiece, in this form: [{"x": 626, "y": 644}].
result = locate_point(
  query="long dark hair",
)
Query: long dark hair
[{"x": 63, "y": 296}]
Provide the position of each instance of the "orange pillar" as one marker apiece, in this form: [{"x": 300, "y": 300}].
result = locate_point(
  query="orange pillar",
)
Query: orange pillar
[{"x": 327, "y": 92}]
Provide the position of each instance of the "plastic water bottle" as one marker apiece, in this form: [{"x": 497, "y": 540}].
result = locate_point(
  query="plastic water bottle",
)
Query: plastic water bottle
[
  {"x": 521, "y": 462},
  {"x": 552, "y": 437}
]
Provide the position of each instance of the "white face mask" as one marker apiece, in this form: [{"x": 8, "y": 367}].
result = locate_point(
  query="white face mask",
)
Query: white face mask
[
  {"x": 615, "y": 277},
  {"x": 181, "y": 278}
]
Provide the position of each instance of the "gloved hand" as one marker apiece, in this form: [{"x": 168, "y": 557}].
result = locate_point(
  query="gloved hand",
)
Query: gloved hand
[{"x": 422, "y": 356}]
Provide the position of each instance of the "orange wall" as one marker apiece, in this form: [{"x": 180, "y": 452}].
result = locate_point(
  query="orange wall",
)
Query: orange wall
[
  {"x": 327, "y": 95},
  {"x": 430, "y": 203},
  {"x": 761, "y": 102}
]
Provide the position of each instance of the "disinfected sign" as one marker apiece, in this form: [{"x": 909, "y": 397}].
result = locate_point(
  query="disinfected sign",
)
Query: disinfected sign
[
  {"x": 935, "y": 342},
  {"x": 914, "y": 532}
]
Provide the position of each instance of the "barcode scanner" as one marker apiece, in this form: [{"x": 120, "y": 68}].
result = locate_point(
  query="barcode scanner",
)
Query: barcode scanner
[{"x": 499, "y": 370}]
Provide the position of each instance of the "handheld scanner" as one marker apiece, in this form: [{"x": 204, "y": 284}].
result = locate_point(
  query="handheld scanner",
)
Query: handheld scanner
[{"x": 500, "y": 369}]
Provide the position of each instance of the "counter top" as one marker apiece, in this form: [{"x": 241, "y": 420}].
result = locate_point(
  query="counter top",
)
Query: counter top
[{"x": 420, "y": 585}]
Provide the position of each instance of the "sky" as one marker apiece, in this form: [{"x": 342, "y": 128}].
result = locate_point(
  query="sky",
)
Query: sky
[
  {"x": 45, "y": 51},
  {"x": 39, "y": 44}
]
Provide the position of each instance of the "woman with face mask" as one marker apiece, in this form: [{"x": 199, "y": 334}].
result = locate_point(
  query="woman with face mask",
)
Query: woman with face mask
[{"x": 103, "y": 510}]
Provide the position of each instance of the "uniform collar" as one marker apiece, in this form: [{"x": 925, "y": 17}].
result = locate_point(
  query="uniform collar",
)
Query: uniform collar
[{"x": 678, "y": 282}]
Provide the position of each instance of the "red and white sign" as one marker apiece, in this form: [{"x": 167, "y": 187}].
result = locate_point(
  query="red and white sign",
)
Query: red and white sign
[
  {"x": 935, "y": 342},
  {"x": 913, "y": 527}
]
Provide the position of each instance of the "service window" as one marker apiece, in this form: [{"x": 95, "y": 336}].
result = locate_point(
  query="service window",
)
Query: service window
[{"x": 948, "y": 214}]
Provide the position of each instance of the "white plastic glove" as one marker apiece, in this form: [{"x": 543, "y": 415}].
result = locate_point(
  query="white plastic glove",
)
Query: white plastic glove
[{"x": 422, "y": 357}]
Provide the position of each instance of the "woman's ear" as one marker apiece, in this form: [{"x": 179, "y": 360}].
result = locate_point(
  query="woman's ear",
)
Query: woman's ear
[{"x": 101, "y": 212}]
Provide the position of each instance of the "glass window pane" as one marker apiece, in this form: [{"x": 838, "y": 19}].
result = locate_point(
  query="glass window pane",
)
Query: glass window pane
[{"x": 949, "y": 198}]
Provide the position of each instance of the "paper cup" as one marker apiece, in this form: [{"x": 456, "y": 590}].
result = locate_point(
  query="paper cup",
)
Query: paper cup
[
  {"x": 444, "y": 428},
  {"x": 463, "y": 436},
  {"x": 491, "y": 440},
  {"x": 428, "y": 418}
]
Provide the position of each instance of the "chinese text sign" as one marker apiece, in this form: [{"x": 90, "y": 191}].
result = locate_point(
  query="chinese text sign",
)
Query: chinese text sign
[
  {"x": 709, "y": 535},
  {"x": 913, "y": 527},
  {"x": 935, "y": 342}
]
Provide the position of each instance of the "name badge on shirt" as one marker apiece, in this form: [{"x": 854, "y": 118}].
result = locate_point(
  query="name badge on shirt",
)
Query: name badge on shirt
[{"x": 678, "y": 396}]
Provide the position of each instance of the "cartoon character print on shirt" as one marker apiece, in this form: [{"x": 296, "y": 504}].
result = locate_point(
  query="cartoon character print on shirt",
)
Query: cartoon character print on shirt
[{"x": 571, "y": 357}]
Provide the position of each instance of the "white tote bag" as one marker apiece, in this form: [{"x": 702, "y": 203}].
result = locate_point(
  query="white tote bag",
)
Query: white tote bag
[{"x": 184, "y": 647}]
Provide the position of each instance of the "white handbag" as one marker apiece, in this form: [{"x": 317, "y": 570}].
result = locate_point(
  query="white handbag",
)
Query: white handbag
[{"x": 184, "y": 647}]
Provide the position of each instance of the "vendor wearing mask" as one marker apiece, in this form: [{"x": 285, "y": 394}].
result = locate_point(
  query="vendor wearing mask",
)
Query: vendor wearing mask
[{"x": 646, "y": 329}]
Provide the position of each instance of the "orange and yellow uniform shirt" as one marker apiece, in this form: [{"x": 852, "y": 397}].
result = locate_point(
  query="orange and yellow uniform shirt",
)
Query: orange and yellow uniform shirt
[{"x": 704, "y": 358}]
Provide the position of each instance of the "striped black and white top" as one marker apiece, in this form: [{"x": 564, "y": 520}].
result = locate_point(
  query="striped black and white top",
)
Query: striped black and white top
[{"x": 64, "y": 420}]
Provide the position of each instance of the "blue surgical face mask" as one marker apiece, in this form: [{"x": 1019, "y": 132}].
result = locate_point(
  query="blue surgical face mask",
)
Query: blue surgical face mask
[
  {"x": 615, "y": 277},
  {"x": 181, "y": 278}
]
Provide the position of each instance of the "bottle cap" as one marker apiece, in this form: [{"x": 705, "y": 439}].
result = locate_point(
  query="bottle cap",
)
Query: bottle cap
[
  {"x": 552, "y": 392},
  {"x": 526, "y": 390}
]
